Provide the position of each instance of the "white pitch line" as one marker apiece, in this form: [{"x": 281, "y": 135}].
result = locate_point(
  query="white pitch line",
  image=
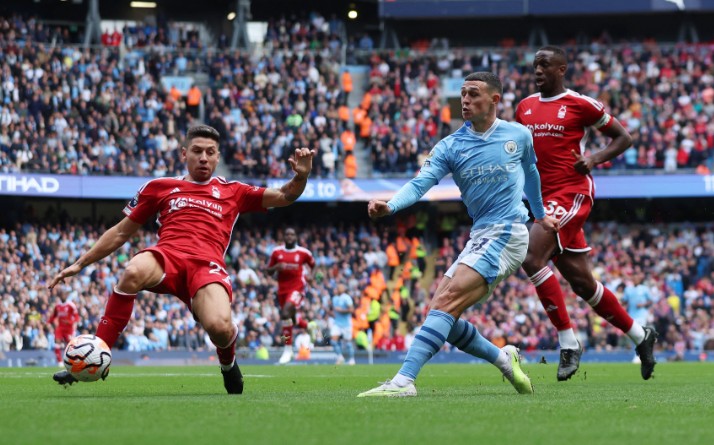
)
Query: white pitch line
[
  {"x": 120, "y": 374},
  {"x": 24, "y": 375}
]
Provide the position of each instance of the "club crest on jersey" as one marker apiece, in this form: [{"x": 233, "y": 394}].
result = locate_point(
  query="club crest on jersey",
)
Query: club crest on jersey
[
  {"x": 427, "y": 161},
  {"x": 510, "y": 147},
  {"x": 215, "y": 192},
  {"x": 562, "y": 111}
]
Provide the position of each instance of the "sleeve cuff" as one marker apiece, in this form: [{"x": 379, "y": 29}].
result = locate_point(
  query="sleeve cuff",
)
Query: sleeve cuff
[{"x": 541, "y": 216}]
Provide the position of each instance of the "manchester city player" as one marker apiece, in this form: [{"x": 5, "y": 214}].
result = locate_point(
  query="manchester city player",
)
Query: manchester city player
[{"x": 492, "y": 162}]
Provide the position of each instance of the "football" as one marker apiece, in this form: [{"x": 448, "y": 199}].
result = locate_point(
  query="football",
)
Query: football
[{"x": 87, "y": 358}]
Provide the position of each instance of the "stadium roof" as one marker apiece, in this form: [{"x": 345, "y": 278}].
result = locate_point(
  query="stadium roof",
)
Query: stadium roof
[{"x": 205, "y": 10}]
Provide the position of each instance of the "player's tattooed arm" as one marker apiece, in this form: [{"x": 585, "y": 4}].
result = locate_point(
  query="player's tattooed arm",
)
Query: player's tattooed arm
[
  {"x": 301, "y": 163},
  {"x": 292, "y": 189},
  {"x": 110, "y": 241}
]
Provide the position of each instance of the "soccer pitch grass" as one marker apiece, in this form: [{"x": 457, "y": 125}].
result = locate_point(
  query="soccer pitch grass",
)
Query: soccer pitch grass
[{"x": 311, "y": 404}]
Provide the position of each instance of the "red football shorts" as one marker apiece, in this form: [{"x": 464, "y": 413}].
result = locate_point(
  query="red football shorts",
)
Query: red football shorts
[
  {"x": 63, "y": 335},
  {"x": 572, "y": 210},
  {"x": 293, "y": 297},
  {"x": 184, "y": 274}
]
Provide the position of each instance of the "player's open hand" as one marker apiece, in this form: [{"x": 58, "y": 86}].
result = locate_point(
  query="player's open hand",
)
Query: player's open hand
[
  {"x": 550, "y": 224},
  {"x": 377, "y": 209},
  {"x": 301, "y": 161},
  {"x": 71, "y": 271},
  {"x": 583, "y": 165}
]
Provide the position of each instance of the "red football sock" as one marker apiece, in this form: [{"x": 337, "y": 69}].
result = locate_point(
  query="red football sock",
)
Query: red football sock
[
  {"x": 227, "y": 355},
  {"x": 116, "y": 316},
  {"x": 58, "y": 354},
  {"x": 551, "y": 296},
  {"x": 605, "y": 303},
  {"x": 288, "y": 332}
]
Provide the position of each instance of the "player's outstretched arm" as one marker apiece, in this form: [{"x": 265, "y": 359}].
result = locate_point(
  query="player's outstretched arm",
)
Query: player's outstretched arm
[
  {"x": 301, "y": 163},
  {"x": 410, "y": 193},
  {"x": 378, "y": 209},
  {"x": 110, "y": 241},
  {"x": 433, "y": 170}
]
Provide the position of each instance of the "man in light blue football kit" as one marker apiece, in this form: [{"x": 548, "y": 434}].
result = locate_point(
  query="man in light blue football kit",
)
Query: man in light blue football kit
[
  {"x": 341, "y": 325},
  {"x": 638, "y": 299},
  {"x": 493, "y": 163}
]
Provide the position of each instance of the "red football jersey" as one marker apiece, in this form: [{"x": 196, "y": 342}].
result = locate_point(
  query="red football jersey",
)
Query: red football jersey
[
  {"x": 66, "y": 314},
  {"x": 194, "y": 218},
  {"x": 292, "y": 278},
  {"x": 560, "y": 124}
]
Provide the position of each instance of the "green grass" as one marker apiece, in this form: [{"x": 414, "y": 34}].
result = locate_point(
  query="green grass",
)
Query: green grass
[{"x": 457, "y": 404}]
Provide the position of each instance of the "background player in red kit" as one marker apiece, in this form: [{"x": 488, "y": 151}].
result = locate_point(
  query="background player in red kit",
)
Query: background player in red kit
[
  {"x": 559, "y": 120},
  {"x": 196, "y": 214},
  {"x": 288, "y": 261},
  {"x": 64, "y": 318}
]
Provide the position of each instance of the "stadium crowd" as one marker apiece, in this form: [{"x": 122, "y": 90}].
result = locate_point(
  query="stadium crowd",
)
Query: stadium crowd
[
  {"x": 104, "y": 110},
  {"x": 677, "y": 263},
  {"x": 664, "y": 95},
  {"x": 65, "y": 109}
]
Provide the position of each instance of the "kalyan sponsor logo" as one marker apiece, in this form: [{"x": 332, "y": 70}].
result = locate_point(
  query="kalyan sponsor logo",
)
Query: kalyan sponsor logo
[
  {"x": 182, "y": 202},
  {"x": 545, "y": 127}
]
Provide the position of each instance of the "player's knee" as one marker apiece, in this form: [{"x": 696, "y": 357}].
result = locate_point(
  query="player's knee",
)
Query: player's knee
[
  {"x": 133, "y": 279},
  {"x": 217, "y": 326},
  {"x": 288, "y": 312},
  {"x": 533, "y": 263}
]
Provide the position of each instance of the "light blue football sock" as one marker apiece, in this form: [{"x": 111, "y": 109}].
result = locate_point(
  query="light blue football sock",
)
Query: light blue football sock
[
  {"x": 350, "y": 349},
  {"x": 466, "y": 337},
  {"x": 337, "y": 346},
  {"x": 427, "y": 343}
]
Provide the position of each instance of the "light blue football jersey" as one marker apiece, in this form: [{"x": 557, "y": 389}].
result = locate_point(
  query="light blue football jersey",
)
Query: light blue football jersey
[
  {"x": 342, "y": 301},
  {"x": 487, "y": 167},
  {"x": 635, "y": 295}
]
